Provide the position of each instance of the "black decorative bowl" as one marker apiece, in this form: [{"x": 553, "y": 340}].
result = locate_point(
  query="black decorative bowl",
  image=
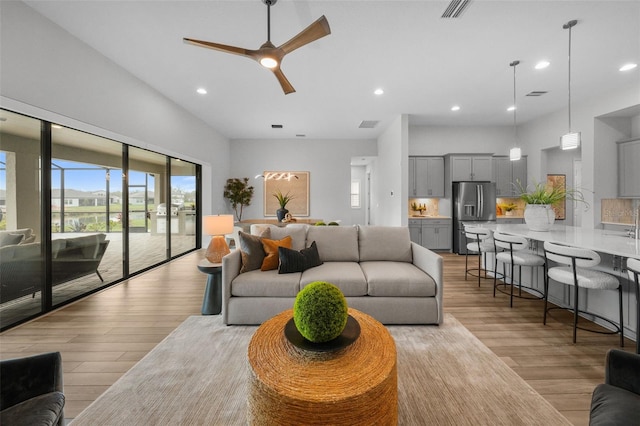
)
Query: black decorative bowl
[{"x": 349, "y": 335}]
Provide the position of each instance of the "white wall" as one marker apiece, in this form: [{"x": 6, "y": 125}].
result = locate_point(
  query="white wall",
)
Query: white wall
[
  {"x": 49, "y": 74},
  {"x": 441, "y": 140},
  {"x": 327, "y": 161},
  {"x": 598, "y": 156},
  {"x": 391, "y": 175}
]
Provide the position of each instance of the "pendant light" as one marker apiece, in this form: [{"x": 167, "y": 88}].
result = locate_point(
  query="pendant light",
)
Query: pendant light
[
  {"x": 570, "y": 140},
  {"x": 515, "y": 153}
]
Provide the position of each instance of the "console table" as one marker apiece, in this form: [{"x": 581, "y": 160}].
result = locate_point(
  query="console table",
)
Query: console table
[{"x": 351, "y": 386}]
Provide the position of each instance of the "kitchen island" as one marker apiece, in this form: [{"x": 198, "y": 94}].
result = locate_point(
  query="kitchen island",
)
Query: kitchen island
[{"x": 614, "y": 249}]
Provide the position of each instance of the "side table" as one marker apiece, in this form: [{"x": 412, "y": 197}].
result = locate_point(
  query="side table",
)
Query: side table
[
  {"x": 212, "y": 302},
  {"x": 356, "y": 385}
]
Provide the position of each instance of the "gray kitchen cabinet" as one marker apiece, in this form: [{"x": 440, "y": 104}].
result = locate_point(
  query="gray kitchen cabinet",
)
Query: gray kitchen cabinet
[
  {"x": 629, "y": 169},
  {"x": 506, "y": 173},
  {"x": 471, "y": 167},
  {"x": 434, "y": 234},
  {"x": 426, "y": 177}
]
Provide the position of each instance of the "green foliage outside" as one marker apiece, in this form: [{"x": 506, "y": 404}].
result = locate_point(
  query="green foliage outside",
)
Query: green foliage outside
[{"x": 320, "y": 312}]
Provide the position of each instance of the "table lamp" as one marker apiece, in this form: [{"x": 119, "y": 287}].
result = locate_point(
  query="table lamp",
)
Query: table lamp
[{"x": 217, "y": 226}]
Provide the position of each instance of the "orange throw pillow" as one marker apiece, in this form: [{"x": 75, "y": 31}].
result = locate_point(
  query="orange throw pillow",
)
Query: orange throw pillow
[{"x": 271, "y": 259}]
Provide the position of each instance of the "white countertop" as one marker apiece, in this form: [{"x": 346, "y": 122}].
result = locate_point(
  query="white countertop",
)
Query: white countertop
[{"x": 600, "y": 240}]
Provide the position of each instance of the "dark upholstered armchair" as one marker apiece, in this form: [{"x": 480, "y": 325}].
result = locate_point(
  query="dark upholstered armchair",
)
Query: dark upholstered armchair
[
  {"x": 31, "y": 390},
  {"x": 617, "y": 400}
]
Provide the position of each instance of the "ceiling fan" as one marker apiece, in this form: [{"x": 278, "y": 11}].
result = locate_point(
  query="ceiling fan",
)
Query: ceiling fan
[{"x": 268, "y": 55}]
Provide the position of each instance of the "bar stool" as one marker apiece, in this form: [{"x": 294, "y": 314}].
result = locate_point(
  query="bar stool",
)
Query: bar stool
[
  {"x": 633, "y": 269},
  {"x": 512, "y": 249},
  {"x": 578, "y": 273},
  {"x": 478, "y": 243}
]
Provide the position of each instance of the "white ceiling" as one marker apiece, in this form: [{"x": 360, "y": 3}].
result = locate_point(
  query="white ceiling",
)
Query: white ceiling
[{"x": 424, "y": 63}]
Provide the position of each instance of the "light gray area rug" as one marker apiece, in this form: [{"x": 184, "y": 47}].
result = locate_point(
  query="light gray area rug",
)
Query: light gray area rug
[{"x": 198, "y": 376}]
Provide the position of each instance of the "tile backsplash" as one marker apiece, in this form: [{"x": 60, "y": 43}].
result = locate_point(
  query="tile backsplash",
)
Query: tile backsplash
[{"x": 619, "y": 210}]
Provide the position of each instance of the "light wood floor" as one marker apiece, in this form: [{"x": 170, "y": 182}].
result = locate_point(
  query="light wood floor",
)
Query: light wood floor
[{"x": 104, "y": 335}]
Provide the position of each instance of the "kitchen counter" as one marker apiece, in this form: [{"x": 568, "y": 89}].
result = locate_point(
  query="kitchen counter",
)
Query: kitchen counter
[
  {"x": 429, "y": 217},
  {"x": 603, "y": 241}
]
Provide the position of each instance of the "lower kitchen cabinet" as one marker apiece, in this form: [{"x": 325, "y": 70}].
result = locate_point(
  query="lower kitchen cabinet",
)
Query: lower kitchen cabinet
[{"x": 434, "y": 234}]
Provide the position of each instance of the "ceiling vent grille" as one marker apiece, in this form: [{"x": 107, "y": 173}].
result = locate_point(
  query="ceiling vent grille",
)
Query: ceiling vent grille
[
  {"x": 368, "y": 124},
  {"x": 537, "y": 93},
  {"x": 455, "y": 8}
]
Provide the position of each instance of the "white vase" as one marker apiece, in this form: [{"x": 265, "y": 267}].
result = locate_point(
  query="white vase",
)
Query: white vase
[{"x": 539, "y": 217}]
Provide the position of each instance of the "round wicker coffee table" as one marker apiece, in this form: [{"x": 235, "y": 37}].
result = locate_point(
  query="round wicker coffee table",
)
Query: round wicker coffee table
[{"x": 352, "y": 386}]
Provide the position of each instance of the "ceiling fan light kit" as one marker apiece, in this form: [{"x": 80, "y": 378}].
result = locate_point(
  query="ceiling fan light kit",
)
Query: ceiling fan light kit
[{"x": 268, "y": 55}]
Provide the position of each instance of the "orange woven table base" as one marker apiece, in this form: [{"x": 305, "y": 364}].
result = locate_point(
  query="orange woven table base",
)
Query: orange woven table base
[{"x": 356, "y": 385}]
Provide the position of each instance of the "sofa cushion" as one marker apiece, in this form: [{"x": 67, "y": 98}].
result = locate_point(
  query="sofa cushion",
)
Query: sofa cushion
[
  {"x": 335, "y": 243},
  {"x": 40, "y": 410},
  {"x": 9, "y": 239},
  {"x": 270, "y": 247},
  {"x": 398, "y": 279},
  {"x": 26, "y": 251},
  {"x": 347, "y": 276},
  {"x": 390, "y": 243},
  {"x": 297, "y": 232},
  {"x": 611, "y": 405},
  {"x": 251, "y": 251},
  {"x": 298, "y": 261},
  {"x": 89, "y": 245},
  {"x": 266, "y": 284}
]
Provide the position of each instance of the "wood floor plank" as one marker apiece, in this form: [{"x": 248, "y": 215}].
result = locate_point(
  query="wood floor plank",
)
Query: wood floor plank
[{"x": 102, "y": 336}]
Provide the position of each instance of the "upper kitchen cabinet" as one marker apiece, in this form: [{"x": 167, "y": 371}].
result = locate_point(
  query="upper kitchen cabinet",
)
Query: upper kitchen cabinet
[
  {"x": 506, "y": 173},
  {"x": 471, "y": 167},
  {"x": 629, "y": 168},
  {"x": 426, "y": 177}
]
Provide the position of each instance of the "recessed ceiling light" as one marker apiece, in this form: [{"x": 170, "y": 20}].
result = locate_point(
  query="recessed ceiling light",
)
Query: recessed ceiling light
[
  {"x": 202, "y": 90},
  {"x": 542, "y": 65},
  {"x": 511, "y": 108},
  {"x": 378, "y": 92},
  {"x": 627, "y": 67},
  {"x": 455, "y": 108}
]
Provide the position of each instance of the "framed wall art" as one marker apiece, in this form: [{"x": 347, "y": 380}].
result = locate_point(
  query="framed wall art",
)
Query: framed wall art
[
  {"x": 560, "y": 182},
  {"x": 296, "y": 184}
]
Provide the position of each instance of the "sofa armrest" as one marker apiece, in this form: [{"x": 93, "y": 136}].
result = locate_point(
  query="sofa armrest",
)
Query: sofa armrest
[
  {"x": 431, "y": 263},
  {"x": 622, "y": 369},
  {"x": 230, "y": 269},
  {"x": 28, "y": 377}
]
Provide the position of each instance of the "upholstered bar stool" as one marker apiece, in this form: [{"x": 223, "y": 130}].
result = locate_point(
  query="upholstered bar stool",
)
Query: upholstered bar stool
[
  {"x": 478, "y": 243},
  {"x": 633, "y": 269},
  {"x": 513, "y": 250},
  {"x": 576, "y": 271}
]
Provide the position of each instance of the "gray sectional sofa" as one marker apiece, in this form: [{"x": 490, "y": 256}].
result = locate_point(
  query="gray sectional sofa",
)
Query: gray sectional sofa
[{"x": 379, "y": 270}]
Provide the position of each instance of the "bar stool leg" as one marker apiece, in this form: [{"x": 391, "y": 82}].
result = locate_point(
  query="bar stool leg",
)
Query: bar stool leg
[
  {"x": 621, "y": 325},
  {"x": 466, "y": 264},
  {"x": 575, "y": 314},
  {"x": 512, "y": 274},
  {"x": 637, "y": 316}
]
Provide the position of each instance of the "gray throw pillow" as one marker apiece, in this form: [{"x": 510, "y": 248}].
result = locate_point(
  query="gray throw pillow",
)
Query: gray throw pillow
[
  {"x": 251, "y": 250},
  {"x": 8, "y": 239}
]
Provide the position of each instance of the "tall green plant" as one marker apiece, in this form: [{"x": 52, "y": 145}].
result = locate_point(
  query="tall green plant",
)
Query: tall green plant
[{"x": 239, "y": 193}]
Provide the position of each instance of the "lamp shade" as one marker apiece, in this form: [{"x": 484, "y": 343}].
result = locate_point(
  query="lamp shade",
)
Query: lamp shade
[
  {"x": 570, "y": 140},
  {"x": 515, "y": 153},
  {"x": 218, "y": 224}
]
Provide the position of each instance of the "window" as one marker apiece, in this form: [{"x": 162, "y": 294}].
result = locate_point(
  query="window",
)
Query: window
[{"x": 355, "y": 194}]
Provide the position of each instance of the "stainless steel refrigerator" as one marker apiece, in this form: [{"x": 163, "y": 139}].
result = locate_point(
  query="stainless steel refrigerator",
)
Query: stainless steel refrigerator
[{"x": 473, "y": 202}]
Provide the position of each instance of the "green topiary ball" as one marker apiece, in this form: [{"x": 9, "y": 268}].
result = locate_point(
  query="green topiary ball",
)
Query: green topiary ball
[{"x": 320, "y": 312}]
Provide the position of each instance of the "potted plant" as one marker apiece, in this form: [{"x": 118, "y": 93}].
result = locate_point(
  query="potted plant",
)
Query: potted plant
[
  {"x": 239, "y": 194},
  {"x": 283, "y": 200},
  {"x": 538, "y": 213},
  {"x": 418, "y": 207}
]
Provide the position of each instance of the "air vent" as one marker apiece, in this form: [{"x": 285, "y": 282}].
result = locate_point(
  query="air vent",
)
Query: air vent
[
  {"x": 455, "y": 8},
  {"x": 276, "y": 126},
  {"x": 536, "y": 93},
  {"x": 368, "y": 124}
]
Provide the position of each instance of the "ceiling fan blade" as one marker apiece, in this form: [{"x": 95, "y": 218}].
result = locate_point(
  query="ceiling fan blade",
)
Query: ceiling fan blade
[
  {"x": 313, "y": 32},
  {"x": 286, "y": 86},
  {"x": 221, "y": 47}
]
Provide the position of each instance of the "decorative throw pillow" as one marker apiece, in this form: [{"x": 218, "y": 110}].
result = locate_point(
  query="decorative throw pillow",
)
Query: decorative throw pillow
[
  {"x": 8, "y": 239},
  {"x": 251, "y": 250},
  {"x": 298, "y": 261},
  {"x": 271, "y": 252}
]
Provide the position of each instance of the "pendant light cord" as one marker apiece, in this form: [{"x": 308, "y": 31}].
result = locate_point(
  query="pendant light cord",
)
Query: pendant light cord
[
  {"x": 568, "y": 26},
  {"x": 514, "y": 64},
  {"x": 268, "y": 21}
]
